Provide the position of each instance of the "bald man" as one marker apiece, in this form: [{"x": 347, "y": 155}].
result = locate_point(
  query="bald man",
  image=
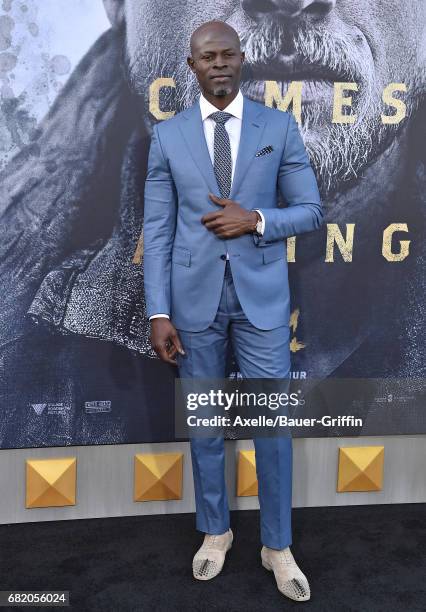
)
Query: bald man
[{"x": 216, "y": 273}]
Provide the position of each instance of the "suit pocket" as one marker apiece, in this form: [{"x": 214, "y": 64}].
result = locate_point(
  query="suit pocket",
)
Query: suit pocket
[
  {"x": 270, "y": 155},
  {"x": 273, "y": 252},
  {"x": 181, "y": 256}
]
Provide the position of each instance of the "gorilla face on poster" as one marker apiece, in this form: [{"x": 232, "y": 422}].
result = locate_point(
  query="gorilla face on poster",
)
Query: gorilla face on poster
[{"x": 74, "y": 339}]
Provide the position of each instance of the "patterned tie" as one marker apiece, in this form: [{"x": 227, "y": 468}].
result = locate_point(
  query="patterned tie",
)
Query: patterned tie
[{"x": 222, "y": 153}]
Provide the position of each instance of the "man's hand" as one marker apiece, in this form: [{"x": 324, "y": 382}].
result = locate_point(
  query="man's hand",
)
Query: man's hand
[
  {"x": 165, "y": 340},
  {"x": 232, "y": 220}
]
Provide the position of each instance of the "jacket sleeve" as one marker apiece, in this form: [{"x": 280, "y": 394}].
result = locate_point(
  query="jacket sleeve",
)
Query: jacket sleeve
[
  {"x": 298, "y": 186},
  {"x": 160, "y": 207}
]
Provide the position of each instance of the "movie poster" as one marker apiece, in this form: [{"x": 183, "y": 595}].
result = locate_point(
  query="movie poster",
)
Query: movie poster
[{"x": 81, "y": 84}]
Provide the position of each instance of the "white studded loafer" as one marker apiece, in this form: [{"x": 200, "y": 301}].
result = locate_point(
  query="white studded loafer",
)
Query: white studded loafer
[
  {"x": 209, "y": 559},
  {"x": 291, "y": 581}
]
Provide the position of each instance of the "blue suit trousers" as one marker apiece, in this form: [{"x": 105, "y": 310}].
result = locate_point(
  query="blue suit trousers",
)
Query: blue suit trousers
[{"x": 260, "y": 354}]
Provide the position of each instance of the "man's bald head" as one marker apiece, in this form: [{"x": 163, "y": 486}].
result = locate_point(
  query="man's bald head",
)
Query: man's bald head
[
  {"x": 216, "y": 60},
  {"x": 212, "y": 28}
]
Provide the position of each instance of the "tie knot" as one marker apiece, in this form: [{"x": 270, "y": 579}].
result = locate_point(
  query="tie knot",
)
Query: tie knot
[{"x": 220, "y": 117}]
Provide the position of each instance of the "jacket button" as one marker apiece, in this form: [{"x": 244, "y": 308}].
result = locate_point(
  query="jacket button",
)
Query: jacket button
[{"x": 223, "y": 256}]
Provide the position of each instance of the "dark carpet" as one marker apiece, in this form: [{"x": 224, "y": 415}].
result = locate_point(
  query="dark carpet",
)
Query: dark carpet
[{"x": 360, "y": 558}]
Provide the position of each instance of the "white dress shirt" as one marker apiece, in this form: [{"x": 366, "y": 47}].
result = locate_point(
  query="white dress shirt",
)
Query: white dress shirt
[{"x": 233, "y": 127}]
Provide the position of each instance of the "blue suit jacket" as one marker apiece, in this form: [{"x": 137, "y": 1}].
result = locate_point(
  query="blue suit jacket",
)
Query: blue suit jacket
[{"x": 183, "y": 268}]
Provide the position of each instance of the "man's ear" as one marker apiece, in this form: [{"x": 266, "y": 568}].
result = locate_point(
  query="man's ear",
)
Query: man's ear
[{"x": 115, "y": 11}]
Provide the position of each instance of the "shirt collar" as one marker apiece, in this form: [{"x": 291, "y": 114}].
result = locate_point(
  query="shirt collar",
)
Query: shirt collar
[{"x": 235, "y": 108}]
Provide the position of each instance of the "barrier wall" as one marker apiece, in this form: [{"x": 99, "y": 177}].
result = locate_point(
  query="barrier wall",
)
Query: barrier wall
[{"x": 105, "y": 478}]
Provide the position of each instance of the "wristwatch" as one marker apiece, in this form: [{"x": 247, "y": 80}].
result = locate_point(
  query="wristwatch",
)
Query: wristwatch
[{"x": 258, "y": 226}]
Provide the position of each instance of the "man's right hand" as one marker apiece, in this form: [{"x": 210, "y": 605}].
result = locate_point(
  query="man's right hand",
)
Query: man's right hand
[{"x": 165, "y": 340}]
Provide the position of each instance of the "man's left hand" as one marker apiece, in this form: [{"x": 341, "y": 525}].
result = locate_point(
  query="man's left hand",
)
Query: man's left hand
[{"x": 232, "y": 220}]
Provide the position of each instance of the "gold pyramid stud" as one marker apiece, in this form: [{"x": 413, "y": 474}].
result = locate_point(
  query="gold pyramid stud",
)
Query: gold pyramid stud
[
  {"x": 158, "y": 476},
  {"x": 246, "y": 474},
  {"x": 51, "y": 482},
  {"x": 360, "y": 468}
]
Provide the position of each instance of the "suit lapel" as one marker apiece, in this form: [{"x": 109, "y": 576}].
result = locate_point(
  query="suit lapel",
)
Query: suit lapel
[
  {"x": 193, "y": 133},
  {"x": 252, "y": 128}
]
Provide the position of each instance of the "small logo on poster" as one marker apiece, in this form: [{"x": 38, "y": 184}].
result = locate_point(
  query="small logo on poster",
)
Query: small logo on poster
[
  {"x": 38, "y": 408},
  {"x": 97, "y": 406},
  {"x": 52, "y": 408}
]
